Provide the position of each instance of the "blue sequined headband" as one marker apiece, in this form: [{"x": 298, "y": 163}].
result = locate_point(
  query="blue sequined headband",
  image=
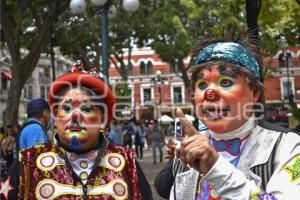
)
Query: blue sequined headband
[{"x": 232, "y": 52}]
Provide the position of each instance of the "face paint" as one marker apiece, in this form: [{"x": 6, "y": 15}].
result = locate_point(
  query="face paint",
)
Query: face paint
[
  {"x": 78, "y": 120},
  {"x": 223, "y": 99}
]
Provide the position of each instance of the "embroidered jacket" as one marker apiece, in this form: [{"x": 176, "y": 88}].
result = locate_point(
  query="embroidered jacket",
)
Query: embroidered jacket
[
  {"x": 45, "y": 173},
  {"x": 241, "y": 183}
]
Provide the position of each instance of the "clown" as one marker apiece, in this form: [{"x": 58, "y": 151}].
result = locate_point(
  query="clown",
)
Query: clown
[
  {"x": 81, "y": 163},
  {"x": 239, "y": 157}
]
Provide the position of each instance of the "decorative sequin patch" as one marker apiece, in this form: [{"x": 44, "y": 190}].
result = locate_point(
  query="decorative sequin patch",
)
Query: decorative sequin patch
[
  {"x": 83, "y": 175},
  {"x": 294, "y": 168},
  {"x": 48, "y": 161},
  {"x": 119, "y": 189},
  {"x": 114, "y": 161},
  {"x": 46, "y": 190},
  {"x": 83, "y": 164},
  {"x": 49, "y": 189}
]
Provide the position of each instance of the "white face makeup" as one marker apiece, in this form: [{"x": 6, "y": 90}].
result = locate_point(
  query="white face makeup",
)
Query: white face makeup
[{"x": 223, "y": 99}]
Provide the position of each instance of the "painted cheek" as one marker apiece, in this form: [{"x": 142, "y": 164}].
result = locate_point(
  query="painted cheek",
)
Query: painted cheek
[
  {"x": 199, "y": 96},
  {"x": 92, "y": 119},
  {"x": 237, "y": 94},
  {"x": 62, "y": 118}
]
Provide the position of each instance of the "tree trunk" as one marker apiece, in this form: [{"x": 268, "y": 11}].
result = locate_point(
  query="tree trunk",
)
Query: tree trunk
[{"x": 22, "y": 68}]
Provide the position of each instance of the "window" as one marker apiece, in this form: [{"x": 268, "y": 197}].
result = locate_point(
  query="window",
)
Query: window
[
  {"x": 281, "y": 60},
  {"x": 146, "y": 68},
  {"x": 147, "y": 95},
  {"x": 30, "y": 92},
  {"x": 174, "y": 66},
  {"x": 44, "y": 71},
  {"x": 177, "y": 95},
  {"x": 42, "y": 91},
  {"x": 149, "y": 67},
  {"x": 285, "y": 86},
  {"x": 143, "y": 67}
]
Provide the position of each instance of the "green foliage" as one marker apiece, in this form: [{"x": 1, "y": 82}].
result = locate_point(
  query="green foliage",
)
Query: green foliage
[
  {"x": 279, "y": 18},
  {"x": 296, "y": 112}
]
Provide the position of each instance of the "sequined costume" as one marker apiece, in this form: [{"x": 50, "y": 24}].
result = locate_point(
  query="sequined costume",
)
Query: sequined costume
[
  {"x": 224, "y": 181},
  {"x": 47, "y": 172}
]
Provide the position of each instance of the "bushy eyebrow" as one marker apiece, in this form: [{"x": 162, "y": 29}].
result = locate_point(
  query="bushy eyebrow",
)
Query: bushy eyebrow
[{"x": 227, "y": 72}]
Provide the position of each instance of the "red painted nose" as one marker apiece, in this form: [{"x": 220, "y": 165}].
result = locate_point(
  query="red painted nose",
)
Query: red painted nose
[
  {"x": 211, "y": 95},
  {"x": 76, "y": 116}
]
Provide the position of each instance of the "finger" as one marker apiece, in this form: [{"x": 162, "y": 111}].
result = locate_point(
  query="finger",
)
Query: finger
[
  {"x": 197, "y": 140},
  {"x": 187, "y": 127},
  {"x": 180, "y": 153},
  {"x": 190, "y": 155}
]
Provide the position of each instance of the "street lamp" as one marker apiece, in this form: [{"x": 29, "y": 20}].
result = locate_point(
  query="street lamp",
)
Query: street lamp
[
  {"x": 286, "y": 57},
  {"x": 158, "y": 83},
  {"x": 78, "y": 6}
]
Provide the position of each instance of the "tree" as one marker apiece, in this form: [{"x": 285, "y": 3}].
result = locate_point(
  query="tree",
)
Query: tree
[
  {"x": 177, "y": 24},
  {"x": 25, "y": 26},
  {"x": 82, "y": 33}
]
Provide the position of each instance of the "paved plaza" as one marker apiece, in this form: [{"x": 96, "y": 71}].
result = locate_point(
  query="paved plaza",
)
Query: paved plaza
[{"x": 151, "y": 170}]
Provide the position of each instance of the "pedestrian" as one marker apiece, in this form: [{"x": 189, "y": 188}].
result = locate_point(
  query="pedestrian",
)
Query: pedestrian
[
  {"x": 157, "y": 142},
  {"x": 115, "y": 134},
  {"x": 139, "y": 140},
  {"x": 148, "y": 134},
  {"x": 128, "y": 132},
  {"x": 7, "y": 146},
  {"x": 34, "y": 131},
  {"x": 81, "y": 163},
  {"x": 240, "y": 156}
]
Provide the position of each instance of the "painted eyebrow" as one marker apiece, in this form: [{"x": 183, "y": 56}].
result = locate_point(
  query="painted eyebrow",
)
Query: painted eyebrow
[
  {"x": 227, "y": 72},
  {"x": 199, "y": 75}
]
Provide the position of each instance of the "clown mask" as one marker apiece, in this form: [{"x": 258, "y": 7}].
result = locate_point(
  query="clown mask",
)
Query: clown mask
[
  {"x": 223, "y": 98},
  {"x": 78, "y": 121}
]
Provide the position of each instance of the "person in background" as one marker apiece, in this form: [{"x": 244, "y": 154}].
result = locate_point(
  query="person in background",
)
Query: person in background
[
  {"x": 128, "y": 132},
  {"x": 157, "y": 142},
  {"x": 139, "y": 140},
  {"x": 80, "y": 163},
  {"x": 34, "y": 131},
  {"x": 8, "y": 144},
  {"x": 115, "y": 134}
]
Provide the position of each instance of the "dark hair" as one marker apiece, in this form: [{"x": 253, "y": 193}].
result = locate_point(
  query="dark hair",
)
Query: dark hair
[
  {"x": 9, "y": 126},
  {"x": 37, "y": 113}
]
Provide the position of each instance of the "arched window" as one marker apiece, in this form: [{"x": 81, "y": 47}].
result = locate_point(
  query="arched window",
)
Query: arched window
[
  {"x": 282, "y": 61},
  {"x": 149, "y": 67},
  {"x": 143, "y": 67}
]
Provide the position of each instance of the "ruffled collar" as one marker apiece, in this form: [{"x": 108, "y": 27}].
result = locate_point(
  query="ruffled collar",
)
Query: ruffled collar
[{"x": 241, "y": 133}]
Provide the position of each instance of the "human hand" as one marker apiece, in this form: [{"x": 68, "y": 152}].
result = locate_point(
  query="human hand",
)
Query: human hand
[
  {"x": 170, "y": 149},
  {"x": 195, "y": 150}
]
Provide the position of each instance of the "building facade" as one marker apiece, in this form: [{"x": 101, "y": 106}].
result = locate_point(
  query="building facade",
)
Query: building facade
[{"x": 156, "y": 87}]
